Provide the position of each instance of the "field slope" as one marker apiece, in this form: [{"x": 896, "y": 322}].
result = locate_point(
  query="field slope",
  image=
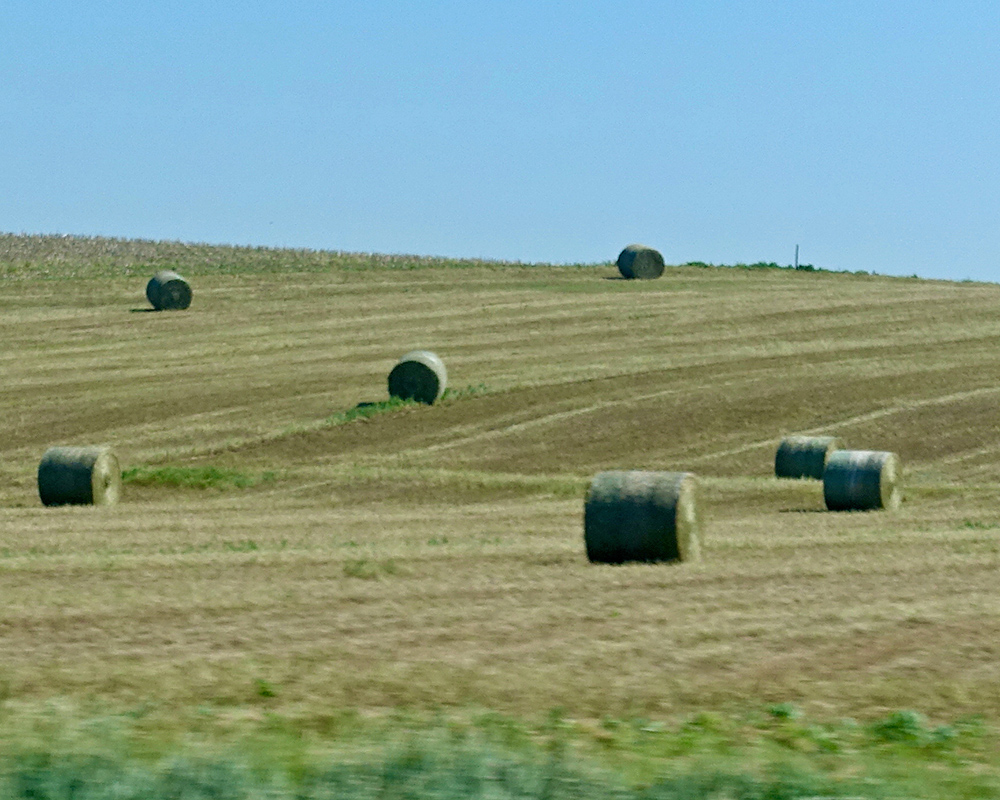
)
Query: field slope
[{"x": 271, "y": 536}]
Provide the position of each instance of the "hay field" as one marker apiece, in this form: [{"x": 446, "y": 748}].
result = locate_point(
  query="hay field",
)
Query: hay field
[{"x": 433, "y": 556}]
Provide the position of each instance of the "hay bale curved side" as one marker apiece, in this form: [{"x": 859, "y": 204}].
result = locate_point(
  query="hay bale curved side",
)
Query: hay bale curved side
[
  {"x": 862, "y": 480},
  {"x": 79, "y": 476},
  {"x": 420, "y": 375},
  {"x": 639, "y": 261},
  {"x": 804, "y": 456},
  {"x": 168, "y": 291},
  {"x": 642, "y": 516}
]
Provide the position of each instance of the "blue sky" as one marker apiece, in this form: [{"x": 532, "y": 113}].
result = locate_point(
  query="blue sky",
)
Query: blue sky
[{"x": 866, "y": 132}]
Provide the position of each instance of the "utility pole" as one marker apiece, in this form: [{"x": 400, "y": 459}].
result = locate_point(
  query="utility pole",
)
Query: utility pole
[{"x": 796, "y": 256}]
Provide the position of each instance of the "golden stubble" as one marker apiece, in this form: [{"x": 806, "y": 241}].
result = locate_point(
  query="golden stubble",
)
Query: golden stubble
[{"x": 434, "y": 556}]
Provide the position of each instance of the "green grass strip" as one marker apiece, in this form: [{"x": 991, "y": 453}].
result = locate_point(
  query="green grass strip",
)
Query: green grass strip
[
  {"x": 777, "y": 753},
  {"x": 199, "y": 477},
  {"x": 413, "y": 773}
]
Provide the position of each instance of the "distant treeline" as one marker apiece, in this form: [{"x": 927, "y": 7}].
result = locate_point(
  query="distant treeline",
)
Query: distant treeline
[{"x": 759, "y": 265}]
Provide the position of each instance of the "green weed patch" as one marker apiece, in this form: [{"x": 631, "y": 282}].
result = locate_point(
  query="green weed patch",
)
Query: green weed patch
[
  {"x": 369, "y": 410},
  {"x": 468, "y": 391},
  {"x": 199, "y": 477}
]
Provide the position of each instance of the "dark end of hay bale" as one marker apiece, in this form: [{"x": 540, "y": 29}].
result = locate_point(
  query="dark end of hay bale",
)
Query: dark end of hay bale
[
  {"x": 168, "y": 291},
  {"x": 862, "y": 480},
  {"x": 420, "y": 375},
  {"x": 804, "y": 456},
  {"x": 79, "y": 476},
  {"x": 639, "y": 261},
  {"x": 642, "y": 516}
]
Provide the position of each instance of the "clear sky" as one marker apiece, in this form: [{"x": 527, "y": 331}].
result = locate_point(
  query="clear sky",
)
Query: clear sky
[{"x": 866, "y": 132}]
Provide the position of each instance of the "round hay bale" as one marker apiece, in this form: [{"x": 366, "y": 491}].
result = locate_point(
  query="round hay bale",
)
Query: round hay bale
[
  {"x": 642, "y": 516},
  {"x": 639, "y": 261},
  {"x": 860, "y": 480},
  {"x": 79, "y": 476},
  {"x": 168, "y": 291},
  {"x": 804, "y": 456},
  {"x": 420, "y": 375}
]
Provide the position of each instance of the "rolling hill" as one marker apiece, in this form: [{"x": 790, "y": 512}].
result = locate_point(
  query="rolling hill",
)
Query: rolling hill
[{"x": 427, "y": 557}]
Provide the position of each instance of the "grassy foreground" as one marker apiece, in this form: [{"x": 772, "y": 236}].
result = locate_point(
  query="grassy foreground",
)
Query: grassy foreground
[{"x": 771, "y": 753}]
